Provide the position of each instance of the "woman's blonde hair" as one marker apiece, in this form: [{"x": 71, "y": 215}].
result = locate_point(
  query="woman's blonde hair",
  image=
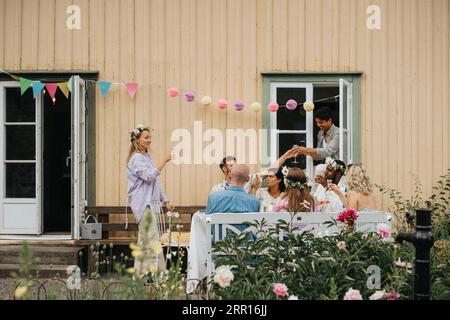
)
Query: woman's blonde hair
[
  {"x": 358, "y": 180},
  {"x": 135, "y": 147}
]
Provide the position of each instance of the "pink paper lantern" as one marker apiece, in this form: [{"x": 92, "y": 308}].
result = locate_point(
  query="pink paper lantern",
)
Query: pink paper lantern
[
  {"x": 222, "y": 104},
  {"x": 273, "y": 107},
  {"x": 190, "y": 96},
  {"x": 173, "y": 92},
  {"x": 239, "y": 105},
  {"x": 291, "y": 105}
]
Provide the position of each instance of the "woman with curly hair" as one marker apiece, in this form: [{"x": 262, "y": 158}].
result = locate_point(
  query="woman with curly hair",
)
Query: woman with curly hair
[{"x": 360, "y": 190}]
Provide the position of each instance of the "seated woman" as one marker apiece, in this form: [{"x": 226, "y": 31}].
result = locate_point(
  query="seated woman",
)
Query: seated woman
[
  {"x": 274, "y": 191},
  {"x": 360, "y": 190},
  {"x": 297, "y": 197}
]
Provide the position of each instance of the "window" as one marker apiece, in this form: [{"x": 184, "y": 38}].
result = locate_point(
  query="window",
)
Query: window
[{"x": 339, "y": 93}]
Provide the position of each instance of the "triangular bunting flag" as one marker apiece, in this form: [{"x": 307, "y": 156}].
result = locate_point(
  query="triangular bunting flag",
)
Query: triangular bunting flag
[
  {"x": 37, "y": 87},
  {"x": 64, "y": 88},
  {"x": 132, "y": 88},
  {"x": 24, "y": 85},
  {"x": 51, "y": 87},
  {"x": 104, "y": 87},
  {"x": 69, "y": 84}
]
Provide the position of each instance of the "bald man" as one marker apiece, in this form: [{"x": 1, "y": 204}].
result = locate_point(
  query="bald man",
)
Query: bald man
[{"x": 234, "y": 199}]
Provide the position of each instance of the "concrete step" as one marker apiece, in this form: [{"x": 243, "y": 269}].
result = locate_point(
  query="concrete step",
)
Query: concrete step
[{"x": 43, "y": 271}]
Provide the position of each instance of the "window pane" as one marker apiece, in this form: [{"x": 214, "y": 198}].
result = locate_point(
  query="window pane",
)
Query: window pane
[
  {"x": 20, "y": 108},
  {"x": 287, "y": 119},
  {"x": 286, "y": 142},
  {"x": 20, "y": 180},
  {"x": 20, "y": 143}
]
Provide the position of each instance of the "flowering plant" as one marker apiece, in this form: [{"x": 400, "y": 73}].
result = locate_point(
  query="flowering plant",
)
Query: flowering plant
[{"x": 348, "y": 217}]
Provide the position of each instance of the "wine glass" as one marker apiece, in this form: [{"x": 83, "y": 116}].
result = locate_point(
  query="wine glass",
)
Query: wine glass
[{"x": 295, "y": 158}]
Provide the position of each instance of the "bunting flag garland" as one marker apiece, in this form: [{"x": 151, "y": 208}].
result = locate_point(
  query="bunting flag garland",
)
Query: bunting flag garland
[
  {"x": 104, "y": 87},
  {"x": 51, "y": 88},
  {"x": 24, "y": 85},
  {"x": 37, "y": 87},
  {"x": 132, "y": 88},
  {"x": 64, "y": 88},
  {"x": 69, "y": 84}
]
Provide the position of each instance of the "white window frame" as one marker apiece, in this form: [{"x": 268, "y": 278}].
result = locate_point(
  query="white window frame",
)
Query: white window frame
[
  {"x": 78, "y": 161},
  {"x": 348, "y": 105},
  {"x": 37, "y": 201},
  {"x": 275, "y": 133}
]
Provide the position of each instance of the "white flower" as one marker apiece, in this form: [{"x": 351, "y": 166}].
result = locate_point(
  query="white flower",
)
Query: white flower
[
  {"x": 341, "y": 245},
  {"x": 329, "y": 160},
  {"x": 408, "y": 266},
  {"x": 136, "y": 132},
  {"x": 170, "y": 214},
  {"x": 140, "y": 127},
  {"x": 352, "y": 294},
  {"x": 292, "y": 297},
  {"x": 176, "y": 215},
  {"x": 285, "y": 171},
  {"x": 378, "y": 295},
  {"x": 224, "y": 276},
  {"x": 400, "y": 263}
]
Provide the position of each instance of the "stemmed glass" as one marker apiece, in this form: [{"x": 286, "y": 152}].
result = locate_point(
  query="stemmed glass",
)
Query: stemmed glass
[{"x": 295, "y": 158}]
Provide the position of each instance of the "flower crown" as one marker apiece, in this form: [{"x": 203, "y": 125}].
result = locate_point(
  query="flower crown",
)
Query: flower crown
[
  {"x": 291, "y": 183},
  {"x": 138, "y": 130},
  {"x": 334, "y": 164}
]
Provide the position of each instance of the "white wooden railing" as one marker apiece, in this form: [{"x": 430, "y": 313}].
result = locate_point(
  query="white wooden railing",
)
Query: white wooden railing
[{"x": 305, "y": 222}]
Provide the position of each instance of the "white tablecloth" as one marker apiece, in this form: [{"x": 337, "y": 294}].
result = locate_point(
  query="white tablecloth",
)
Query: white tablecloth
[{"x": 197, "y": 251}]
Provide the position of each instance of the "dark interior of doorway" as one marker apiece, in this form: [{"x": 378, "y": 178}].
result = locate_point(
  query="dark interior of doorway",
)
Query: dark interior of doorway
[{"x": 56, "y": 164}]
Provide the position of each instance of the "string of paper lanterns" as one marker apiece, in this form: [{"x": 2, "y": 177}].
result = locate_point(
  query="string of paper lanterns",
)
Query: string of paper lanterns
[{"x": 239, "y": 105}]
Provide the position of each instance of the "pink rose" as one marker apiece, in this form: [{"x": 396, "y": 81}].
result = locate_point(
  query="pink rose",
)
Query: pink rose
[
  {"x": 280, "y": 289},
  {"x": 392, "y": 295},
  {"x": 348, "y": 217},
  {"x": 383, "y": 230},
  {"x": 280, "y": 206},
  {"x": 352, "y": 294}
]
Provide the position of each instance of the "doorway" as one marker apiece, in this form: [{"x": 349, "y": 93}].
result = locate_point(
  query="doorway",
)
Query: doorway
[{"x": 56, "y": 163}]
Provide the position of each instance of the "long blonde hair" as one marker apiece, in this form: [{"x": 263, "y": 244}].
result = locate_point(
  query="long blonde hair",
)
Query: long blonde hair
[
  {"x": 358, "y": 180},
  {"x": 135, "y": 147}
]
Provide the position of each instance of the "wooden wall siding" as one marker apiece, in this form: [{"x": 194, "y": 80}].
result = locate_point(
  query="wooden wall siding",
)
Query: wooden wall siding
[{"x": 220, "y": 47}]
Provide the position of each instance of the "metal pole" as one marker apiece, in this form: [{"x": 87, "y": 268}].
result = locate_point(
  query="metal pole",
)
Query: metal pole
[{"x": 422, "y": 240}]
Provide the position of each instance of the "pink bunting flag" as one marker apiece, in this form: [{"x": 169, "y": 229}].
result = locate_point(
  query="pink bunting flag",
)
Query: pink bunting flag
[
  {"x": 132, "y": 88},
  {"x": 51, "y": 87}
]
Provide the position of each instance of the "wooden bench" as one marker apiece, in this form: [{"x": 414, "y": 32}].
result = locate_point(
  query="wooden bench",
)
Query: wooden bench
[{"x": 113, "y": 221}]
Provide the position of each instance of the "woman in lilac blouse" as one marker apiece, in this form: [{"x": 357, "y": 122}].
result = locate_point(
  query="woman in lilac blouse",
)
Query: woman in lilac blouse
[{"x": 145, "y": 189}]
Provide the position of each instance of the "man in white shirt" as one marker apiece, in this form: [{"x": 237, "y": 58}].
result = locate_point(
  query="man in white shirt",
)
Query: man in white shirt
[{"x": 327, "y": 138}]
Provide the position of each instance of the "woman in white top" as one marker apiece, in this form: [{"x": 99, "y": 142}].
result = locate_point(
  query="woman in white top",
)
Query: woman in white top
[
  {"x": 360, "y": 194},
  {"x": 274, "y": 191}
]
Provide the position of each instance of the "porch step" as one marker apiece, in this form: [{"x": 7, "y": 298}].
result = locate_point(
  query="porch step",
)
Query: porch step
[
  {"x": 51, "y": 259},
  {"x": 44, "y": 271}
]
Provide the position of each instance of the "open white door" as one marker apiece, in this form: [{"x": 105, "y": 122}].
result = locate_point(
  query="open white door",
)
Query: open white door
[
  {"x": 20, "y": 161},
  {"x": 78, "y": 153},
  {"x": 345, "y": 121}
]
